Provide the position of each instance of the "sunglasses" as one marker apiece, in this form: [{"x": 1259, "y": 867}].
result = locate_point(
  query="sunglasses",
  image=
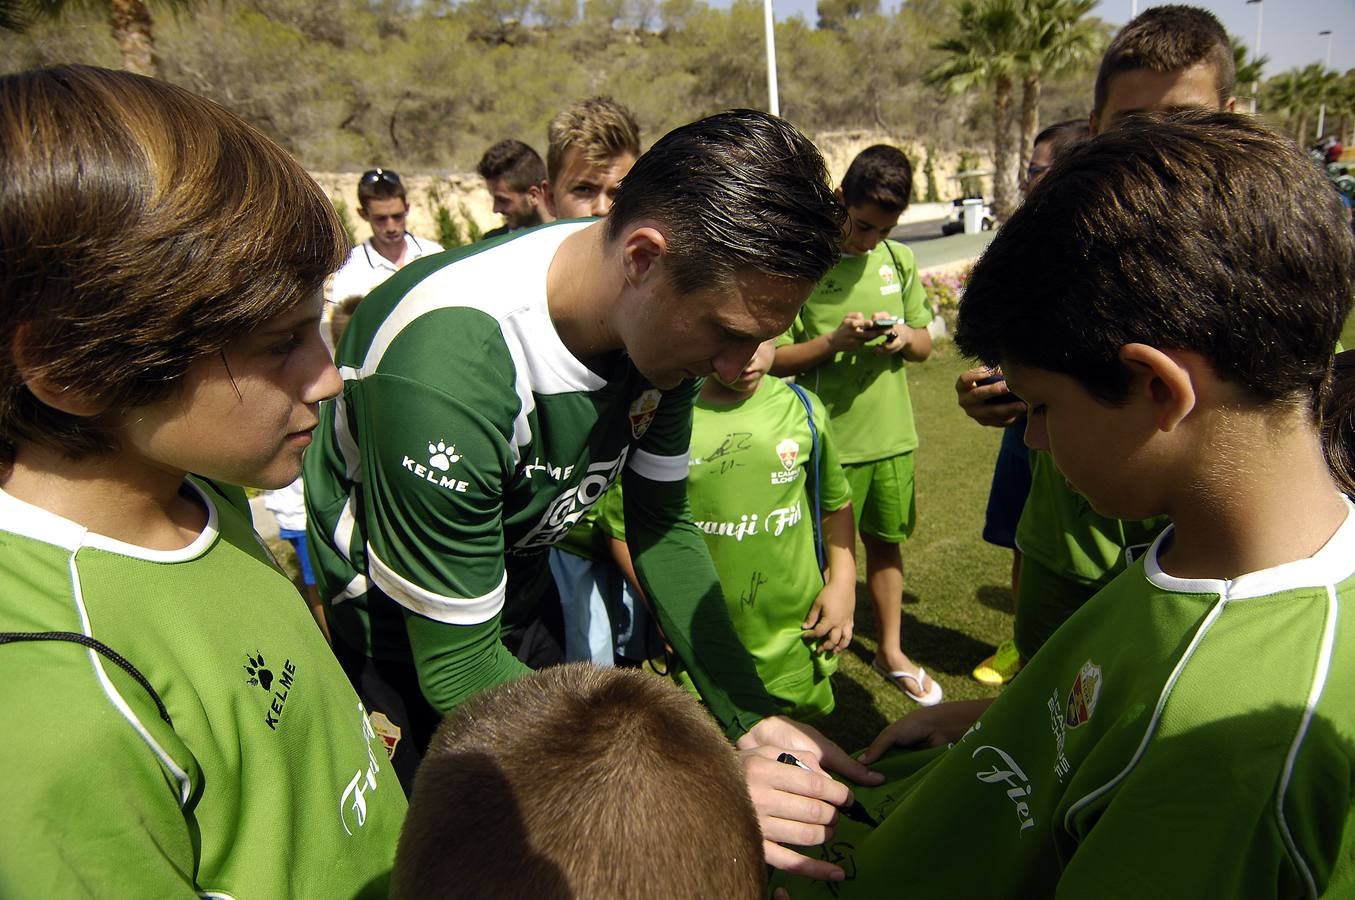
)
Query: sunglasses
[{"x": 379, "y": 175}]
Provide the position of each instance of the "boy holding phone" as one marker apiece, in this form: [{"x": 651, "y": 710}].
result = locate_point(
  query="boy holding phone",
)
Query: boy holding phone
[{"x": 849, "y": 344}]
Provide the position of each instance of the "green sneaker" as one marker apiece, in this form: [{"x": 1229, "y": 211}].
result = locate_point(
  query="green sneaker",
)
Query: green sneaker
[{"x": 1001, "y": 667}]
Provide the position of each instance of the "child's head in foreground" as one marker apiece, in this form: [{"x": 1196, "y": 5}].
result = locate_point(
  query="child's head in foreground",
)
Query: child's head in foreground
[
  {"x": 152, "y": 244},
  {"x": 578, "y": 781},
  {"x": 1201, "y": 233},
  {"x": 1166, "y": 58}
]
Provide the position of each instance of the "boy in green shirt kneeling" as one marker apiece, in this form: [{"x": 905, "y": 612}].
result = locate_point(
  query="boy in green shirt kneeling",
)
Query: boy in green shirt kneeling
[
  {"x": 762, "y": 469},
  {"x": 1190, "y": 731}
]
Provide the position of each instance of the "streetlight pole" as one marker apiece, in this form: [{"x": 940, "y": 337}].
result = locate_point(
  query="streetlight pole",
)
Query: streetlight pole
[
  {"x": 1322, "y": 110},
  {"x": 1256, "y": 54},
  {"x": 773, "y": 97}
]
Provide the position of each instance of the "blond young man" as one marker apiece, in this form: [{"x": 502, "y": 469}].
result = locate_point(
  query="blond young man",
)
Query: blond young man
[{"x": 592, "y": 144}]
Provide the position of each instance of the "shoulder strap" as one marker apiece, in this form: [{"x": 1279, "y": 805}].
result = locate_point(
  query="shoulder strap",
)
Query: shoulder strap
[
  {"x": 11, "y": 637},
  {"x": 814, "y": 484},
  {"x": 895, "y": 260}
]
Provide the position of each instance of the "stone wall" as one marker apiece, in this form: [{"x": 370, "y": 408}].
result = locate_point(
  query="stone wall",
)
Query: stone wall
[{"x": 460, "y": 190}]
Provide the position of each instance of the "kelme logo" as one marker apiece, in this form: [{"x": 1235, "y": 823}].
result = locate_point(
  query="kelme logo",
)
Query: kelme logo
[
  {"x": 441, "y": 457},
  {"x": 277, "y": 686}
]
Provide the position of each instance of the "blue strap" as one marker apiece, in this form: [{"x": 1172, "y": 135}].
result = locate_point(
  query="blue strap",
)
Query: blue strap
[{"x": 814, "y": 451}]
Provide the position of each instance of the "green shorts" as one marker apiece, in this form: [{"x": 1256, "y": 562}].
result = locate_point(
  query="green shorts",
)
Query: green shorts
[{"x": 882, "y": 497}]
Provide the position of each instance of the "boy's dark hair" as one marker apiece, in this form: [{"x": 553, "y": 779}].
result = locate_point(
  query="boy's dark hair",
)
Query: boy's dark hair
[
  {"x": 379, "y": 184},
  {"x": 1198, "y": 231},
  {"x": 1168, "y": 39},
  {"x": 513, "y": 161},
  {"x": 599, "y": 127},
  {"x": 142, "y": 228},
  {"x": 1062, "y": 134},
  {"x": 1338, "y": 422},
  {"x": 880, "y": 175},
  {"x": 579, "y": 781},
  {"x": 741, "y": 191}
]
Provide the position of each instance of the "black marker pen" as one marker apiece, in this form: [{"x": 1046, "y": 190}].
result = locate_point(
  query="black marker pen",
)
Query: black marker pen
[{"x": 856, "y": 812}]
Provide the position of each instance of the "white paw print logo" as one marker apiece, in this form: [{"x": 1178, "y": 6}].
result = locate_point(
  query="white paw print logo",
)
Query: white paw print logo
[{"x": 441, "y": 457}]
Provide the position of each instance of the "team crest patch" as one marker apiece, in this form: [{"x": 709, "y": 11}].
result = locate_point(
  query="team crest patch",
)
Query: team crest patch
[
  {"x": 642, "y": 412},
  {"x": 887, "y": 274},
  {"x": 1082, "y": 698},
  {"x": 387, "y": 730},
  {"x": 788, "y": 450}
]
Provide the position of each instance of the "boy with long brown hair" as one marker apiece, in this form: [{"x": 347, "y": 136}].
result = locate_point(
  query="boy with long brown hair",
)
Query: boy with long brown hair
[{"x": 185, "y": 729}]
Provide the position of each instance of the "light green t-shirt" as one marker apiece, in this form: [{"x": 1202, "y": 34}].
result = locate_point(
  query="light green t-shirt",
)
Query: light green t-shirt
[
  {"x": 1176, "y": 738},
  {"x": 749, "y": 486},
  {"x": 266, "y": 781},
  {"x": 866, "y": 394}
]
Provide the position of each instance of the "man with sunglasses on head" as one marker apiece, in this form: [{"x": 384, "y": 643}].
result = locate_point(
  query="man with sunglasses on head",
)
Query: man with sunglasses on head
[{"x": 382, "y": 205}]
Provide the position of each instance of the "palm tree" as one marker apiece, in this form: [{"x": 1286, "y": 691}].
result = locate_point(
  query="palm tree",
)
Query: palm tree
[
  {"x": 988, "y": 50},
  {"x": 129, "y": 20},
  {"x": 1298, "y": 93},
  {"x": 1248, "y": 70},
  {"x": 1058, "y": 36}
]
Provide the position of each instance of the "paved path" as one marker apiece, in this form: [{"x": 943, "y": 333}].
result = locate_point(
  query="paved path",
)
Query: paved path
[{"x": 947, "y": 251}]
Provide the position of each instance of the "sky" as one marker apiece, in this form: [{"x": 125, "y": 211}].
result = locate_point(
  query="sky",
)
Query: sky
[{"x": 1289, "y": 28}]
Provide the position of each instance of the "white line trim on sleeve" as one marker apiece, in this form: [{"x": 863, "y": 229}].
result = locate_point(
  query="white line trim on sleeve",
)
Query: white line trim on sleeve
[
  {"x": 658, "y": 468},
  {"x": 354, "y": 588},
  {"x": 1314, "y": 694},
  {"x": 451, "y": 610},
  {"x": 343, "y": 529},
  {"x": 343, "y": 437},
  {"x": 1209, "y": 620}
]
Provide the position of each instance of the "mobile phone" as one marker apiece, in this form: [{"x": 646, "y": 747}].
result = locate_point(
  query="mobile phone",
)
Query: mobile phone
[
  {"x": 1000, "y": 399},
  {"x": 881, "y": 324}
]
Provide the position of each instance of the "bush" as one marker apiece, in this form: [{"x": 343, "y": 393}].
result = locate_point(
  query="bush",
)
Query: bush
[
  {"x": 450, "y": 230},
  {"x": 346, "y": 219},
  {"x": 944, "y": 291}
]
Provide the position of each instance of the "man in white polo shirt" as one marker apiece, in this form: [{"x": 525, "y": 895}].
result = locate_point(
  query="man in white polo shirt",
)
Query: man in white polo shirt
[{"x": 382, "y": 205}]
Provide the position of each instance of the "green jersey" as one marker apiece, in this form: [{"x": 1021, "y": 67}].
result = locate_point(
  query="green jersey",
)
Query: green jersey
[
  {"x": 466, "y": 442},
  {"x": 241, "y": 764},
  {"x": 1176, "y": 738},
  {"x": 1060, "y": 530},
  {"x": 866, "y": 393},
  {"x": 751, "y": 493}
]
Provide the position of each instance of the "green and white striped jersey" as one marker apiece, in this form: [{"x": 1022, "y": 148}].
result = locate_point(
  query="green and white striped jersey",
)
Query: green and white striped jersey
[{"x": 468, "y": 440}]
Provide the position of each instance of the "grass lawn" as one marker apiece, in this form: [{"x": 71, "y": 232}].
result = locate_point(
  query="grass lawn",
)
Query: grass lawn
[{"x": 957, "y": 595}]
